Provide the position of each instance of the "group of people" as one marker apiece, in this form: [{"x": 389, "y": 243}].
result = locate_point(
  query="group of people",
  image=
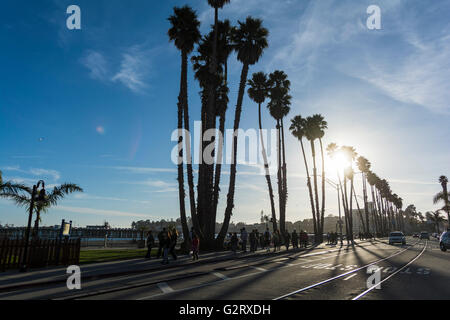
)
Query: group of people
[
  {"x": 265, "y": 240},
  {"x": 167, "y": 240},
  {"x": 332, "y": 238}
]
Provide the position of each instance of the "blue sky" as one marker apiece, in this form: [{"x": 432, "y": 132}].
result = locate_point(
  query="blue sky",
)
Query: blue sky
[{"x": 104, "y": 100}]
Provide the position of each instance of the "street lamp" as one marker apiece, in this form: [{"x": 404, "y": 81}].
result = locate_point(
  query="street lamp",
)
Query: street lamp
[
  {"x": 41, "y": 197},
  {"x": 336, "y": 186}
]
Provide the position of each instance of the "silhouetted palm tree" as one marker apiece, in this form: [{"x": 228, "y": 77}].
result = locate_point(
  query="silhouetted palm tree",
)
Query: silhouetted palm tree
[
  {"x": 349, "y": 154},
  {"x": 435, "y": 216},
  {"x": 443, "y": 196},
  {"x": 258, "y": 91},
  {"x": 185, "y": 33},
  {"x": 298, "y": 130},
  {"x": 319, "y": 126},
  {"x": 250, "y": 40},
  {"x": 279, "y": 107},
  {"x": 51, "y": 199},
  {"x": 364, "y": 167},
  {"x": 8, "y": 188}
]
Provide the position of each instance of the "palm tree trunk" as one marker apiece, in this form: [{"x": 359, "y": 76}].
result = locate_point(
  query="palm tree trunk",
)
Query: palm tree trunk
[
  {"x": 318, "y": 237},
  {"x": 351, "y": 210},
  {"x": 311, "y": 197},
  {"x": 233, "y": 169},
  {"x": 359, "y": 210},
  {"x": 283, "y": 222},
  {"x": 35, "y": 234},
  {"x": 187, "y": 141},
  {"x": 374, "y": 211},
  {"x": 280, "y": 178},
  {"x": 266, "y": 168},
  {"x": 366, "y": 209},
  {"x": 322, "y": 218},
  {"x": 181, "y": 192}
]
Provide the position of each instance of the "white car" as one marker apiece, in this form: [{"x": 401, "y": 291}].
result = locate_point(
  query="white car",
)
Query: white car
[{"x": 397, "y": 237}]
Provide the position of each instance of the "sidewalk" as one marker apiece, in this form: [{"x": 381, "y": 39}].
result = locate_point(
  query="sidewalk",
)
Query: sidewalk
[{"x": 13, "y": 279}]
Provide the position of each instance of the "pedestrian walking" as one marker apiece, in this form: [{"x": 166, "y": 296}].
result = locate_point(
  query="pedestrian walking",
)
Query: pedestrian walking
[
  {"x": 173, "y": 242},
  {"x": 294, "y": 239},
  {"x": 150, "y": 244},
  {"x": 267, "y": 239},
  {"x": 165, "y": 244},
  {"x": 287, "y": 240},
  {"x": 234, "y": 242},
  {"x": 244, "y": 238},
  {"x": 160, "y": 243},
  {"x": 195, "y": 247}
]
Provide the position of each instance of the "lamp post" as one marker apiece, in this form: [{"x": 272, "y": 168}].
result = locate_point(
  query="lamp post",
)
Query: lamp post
[{"x": 41, "y": 197}]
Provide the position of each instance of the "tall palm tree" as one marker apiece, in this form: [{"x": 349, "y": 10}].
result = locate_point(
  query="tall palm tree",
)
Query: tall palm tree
[
  {"x": 319, "y": 131},
  {"x": 443, "y": 196},
  {"x": 51, "y": 199},
  {"x": 206, "y": 170},
  {"x": 435, "y": 216},
  {"x": 349, "y": 154},
  {"x": 298, "y": 130},
  {"x": 279, "y": 107},
  {"x": 250, "y": 40},
  {"x": 371, "y": 179},
  {"x": 184, "y": 32},
  {"x": 364, "y": 167},
  {"x": 332, "y": 151},
  {"x": 258, "y": 91}
]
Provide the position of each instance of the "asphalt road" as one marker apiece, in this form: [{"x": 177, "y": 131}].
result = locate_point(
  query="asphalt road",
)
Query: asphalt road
[{"x": 417, "y": 270}]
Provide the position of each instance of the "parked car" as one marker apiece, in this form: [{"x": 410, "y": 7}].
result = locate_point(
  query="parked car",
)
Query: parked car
[
  {"x": 415, "y": 235},
  {"x": 397, "y": 237},
  {"x": 444, "y": 241},
  {"x": 424, "y": 235}
]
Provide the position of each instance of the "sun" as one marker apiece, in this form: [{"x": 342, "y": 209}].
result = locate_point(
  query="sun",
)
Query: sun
[{"x": 336, "y": 164}]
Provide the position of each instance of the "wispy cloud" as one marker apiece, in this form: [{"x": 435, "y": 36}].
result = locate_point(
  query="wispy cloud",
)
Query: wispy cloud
[
  {"x": 96, "y": 63},
  {"x": 46, "y": 173},
  {"x": 133, "y": 70},
  {"x": 143, "y": 169},
  {"x": 104, "y": 212}
]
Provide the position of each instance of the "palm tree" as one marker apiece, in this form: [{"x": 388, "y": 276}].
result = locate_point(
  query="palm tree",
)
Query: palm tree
[
  {"x": 364, "y": 167},
  {"x": 298, "y": 130},
  {"x": 349, "y": 154},
  {"x": 250, "y": 40},
  {"x": 319, "y": 131},
  {"x": 279, "y": 107},
  {"x": 435, "y": 216},
  {"x": 258, "y": 91},
  {"x": 8, "y": 188},
  {"x": 51, "y": 199},
  {"x": 443, "y": 196},
  {"x": 184, "y": 32}
]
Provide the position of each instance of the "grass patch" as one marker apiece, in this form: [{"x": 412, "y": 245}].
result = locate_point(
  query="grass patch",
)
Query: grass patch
[{"x": 104, "y": 255}]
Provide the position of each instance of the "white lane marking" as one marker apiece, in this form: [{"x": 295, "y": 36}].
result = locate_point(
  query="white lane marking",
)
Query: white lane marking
[
  {"x": 221, "y": 276},
  {"x": 349, "y": 277},
  {"x": 164, "y": 287},
  {"x": 393, "y": 274},
  {"x": 258, "y": 268},
  {"x": 339, "y": 276}
]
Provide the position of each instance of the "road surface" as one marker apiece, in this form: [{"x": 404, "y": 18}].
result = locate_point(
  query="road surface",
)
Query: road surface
[{"x": 417, "y": 270}]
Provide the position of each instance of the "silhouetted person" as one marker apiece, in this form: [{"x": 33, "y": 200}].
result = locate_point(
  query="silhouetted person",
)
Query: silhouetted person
[
  {"x": 150, "y": 244},
  {"x": 173, "y": 243},
  {"x": 195, "y": 247},
  {"x": 244, "y": 238},
  {"x": 287, "y": 240},
  {"x": 165, "y": 245},
  {"x": 160, "y": 243},
  {"x": 294, "y": 239},
  {"x": 234, "y": 242}
]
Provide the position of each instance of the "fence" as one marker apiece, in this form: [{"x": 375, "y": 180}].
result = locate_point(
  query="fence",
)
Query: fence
[{"x": 41, "y": 253}]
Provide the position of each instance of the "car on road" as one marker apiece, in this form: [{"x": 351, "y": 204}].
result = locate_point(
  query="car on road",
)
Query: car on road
[
  {"x": 397, "y": 237},
  {"x": 424, "y": 235},
  {"x": 415, "y": 235},
  {"x": 444, "y": 241}
]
